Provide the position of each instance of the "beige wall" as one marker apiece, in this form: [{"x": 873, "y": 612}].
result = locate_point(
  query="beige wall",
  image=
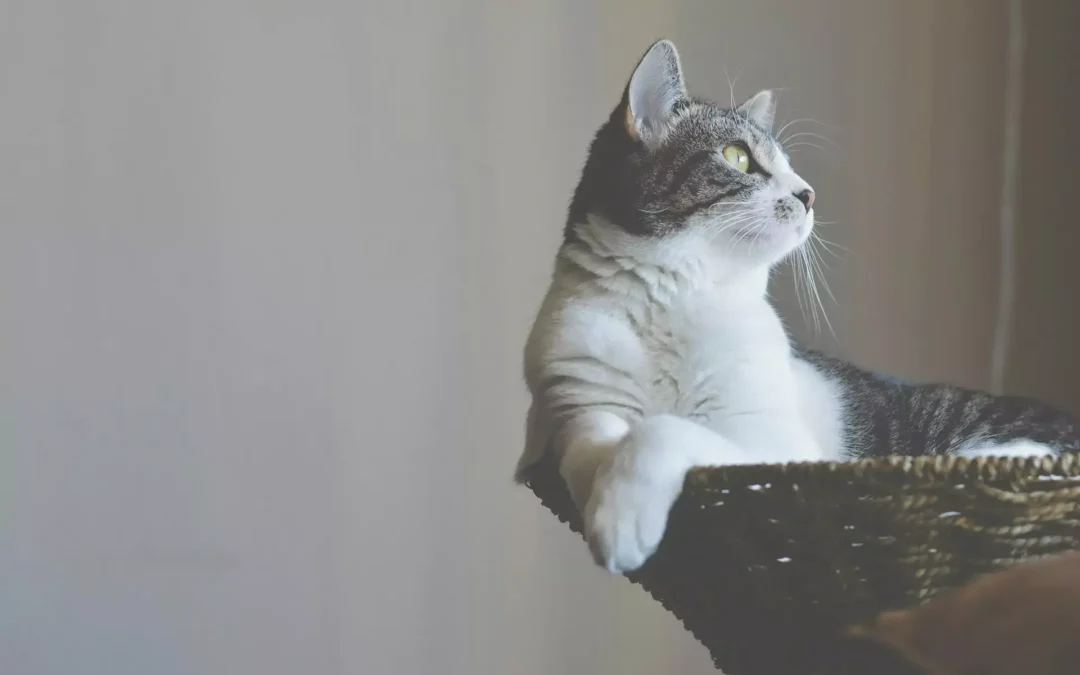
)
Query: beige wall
[
  {"x": 266, "y": 269},
  {"x": 1044, "y": 360}
]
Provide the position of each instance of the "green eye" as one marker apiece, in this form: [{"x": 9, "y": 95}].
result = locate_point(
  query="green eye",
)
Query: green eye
[{"x": 737, "y": 157}]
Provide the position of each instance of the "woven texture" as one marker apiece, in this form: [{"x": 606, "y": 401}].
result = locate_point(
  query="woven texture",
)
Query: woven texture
[{"x": 766, "y": 565}]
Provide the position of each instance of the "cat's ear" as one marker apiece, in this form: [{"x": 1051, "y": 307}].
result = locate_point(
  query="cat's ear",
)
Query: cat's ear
[
  {"x": 760, "y": 109},
  {"x": 654, "y": 89}
]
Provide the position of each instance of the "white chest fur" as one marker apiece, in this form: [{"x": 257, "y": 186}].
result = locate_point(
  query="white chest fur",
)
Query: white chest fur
[
  {"x": 707, "y": 355},
  {"x": 636, "y": 342},
  {"x": 638, "y": 377}
]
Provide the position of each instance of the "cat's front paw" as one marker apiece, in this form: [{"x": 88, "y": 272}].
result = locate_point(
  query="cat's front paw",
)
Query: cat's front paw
[{"x": 627, "y": 513}]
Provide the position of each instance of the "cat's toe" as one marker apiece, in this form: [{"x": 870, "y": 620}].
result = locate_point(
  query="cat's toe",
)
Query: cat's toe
[
  {"x": 614, "y": 544},
  {"x": 626, "y": 523}
]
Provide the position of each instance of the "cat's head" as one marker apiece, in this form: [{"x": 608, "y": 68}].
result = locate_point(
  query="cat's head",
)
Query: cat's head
[{"x": 667, "y": 166}]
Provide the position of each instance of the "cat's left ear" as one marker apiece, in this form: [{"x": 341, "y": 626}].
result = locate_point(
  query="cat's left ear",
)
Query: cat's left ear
[
  {"x": 653, "y": 92},
  {"x": 760, "y": 109}
]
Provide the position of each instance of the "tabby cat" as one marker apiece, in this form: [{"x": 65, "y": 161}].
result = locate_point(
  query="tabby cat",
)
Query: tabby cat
[{"x": 656, "y": 348}]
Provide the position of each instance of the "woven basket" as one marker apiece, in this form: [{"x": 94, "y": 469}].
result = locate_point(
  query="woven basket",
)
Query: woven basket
[{"x": 767, "y": 565}]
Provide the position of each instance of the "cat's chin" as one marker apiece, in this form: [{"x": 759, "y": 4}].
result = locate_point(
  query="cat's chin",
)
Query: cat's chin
[{"x": 775, "y": 243}]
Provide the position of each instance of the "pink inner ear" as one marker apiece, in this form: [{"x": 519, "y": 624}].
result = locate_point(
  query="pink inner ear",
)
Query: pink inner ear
[
  {"x": 631, "y": 125},
  {"x": 653, "y": 91}
]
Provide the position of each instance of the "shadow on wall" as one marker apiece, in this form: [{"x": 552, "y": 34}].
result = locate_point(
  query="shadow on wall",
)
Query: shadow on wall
[{"x": 1045, "y": 357}]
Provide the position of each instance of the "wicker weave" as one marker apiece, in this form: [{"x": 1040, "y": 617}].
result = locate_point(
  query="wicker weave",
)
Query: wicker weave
[{"x": 766, "y": 565}]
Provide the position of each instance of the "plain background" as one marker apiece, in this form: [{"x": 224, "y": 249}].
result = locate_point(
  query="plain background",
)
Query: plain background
[{"x": 267, "y": 266}]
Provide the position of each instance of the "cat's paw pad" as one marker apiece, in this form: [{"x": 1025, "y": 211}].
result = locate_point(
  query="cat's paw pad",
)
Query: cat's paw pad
[{"x": 627, "y": 514}]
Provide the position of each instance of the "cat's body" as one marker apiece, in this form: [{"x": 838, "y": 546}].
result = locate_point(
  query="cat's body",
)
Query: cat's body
[
  {"x": 884, "y": 416},
  {"x": 657, "y": 350}
]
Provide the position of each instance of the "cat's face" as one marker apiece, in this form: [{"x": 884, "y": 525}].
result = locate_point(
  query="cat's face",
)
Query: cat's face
[{"x": 667, "y": 165}]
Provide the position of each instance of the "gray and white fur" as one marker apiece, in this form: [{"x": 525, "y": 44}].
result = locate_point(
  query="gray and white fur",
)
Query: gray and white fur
[{"x": 656, "y": 349}]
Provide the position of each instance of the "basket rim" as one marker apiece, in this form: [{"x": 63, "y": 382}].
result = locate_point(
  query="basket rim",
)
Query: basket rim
[{"x": 946, "y": 468}]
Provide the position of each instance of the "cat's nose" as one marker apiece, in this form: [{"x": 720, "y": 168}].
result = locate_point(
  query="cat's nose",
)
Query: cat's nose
[{"x": 806, "y": 197}]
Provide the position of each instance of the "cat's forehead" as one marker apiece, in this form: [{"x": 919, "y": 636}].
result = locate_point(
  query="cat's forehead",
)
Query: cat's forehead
[{"x": 703, "y": 123}]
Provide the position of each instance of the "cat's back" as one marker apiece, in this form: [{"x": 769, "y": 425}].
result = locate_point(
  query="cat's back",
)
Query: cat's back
[{"x": 884, "y": 415}]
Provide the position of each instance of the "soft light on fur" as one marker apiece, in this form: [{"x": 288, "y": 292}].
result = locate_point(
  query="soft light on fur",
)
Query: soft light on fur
[
  {"x": 656, "y": 349},
  {"x": 652, "y": 356}
]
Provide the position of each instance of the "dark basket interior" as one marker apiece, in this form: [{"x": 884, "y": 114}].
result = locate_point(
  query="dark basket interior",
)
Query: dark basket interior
[{"x": 767, "y": 565}]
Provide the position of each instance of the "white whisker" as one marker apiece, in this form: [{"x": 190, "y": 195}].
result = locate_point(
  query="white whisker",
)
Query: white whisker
[
  {"x": 798, "y": 134},
  {"x": 808, "y": 285},
  {"x": 813, "y": 272},
  {"x": 830, "y": 245},
  {"x": 731, "y": 86},
  {"x": 824, "y": 281},
  {"x": 779, "y": 133},
  {"x": 800, "y": 144}
]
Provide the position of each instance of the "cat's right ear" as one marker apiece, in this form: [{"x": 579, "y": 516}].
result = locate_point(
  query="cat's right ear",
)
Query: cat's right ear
[{"x": 655, "y": 88}]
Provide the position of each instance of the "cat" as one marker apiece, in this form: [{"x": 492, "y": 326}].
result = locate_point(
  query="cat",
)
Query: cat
[{"x": 656, "y": 349}]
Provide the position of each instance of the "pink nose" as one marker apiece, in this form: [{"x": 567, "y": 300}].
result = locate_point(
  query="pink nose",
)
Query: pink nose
[{"x": 806, "y": 197}]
